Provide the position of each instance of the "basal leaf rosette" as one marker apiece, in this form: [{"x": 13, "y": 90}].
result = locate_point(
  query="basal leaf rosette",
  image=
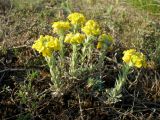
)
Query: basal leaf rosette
[
  {"x": 133, "y": 58},
  {"x": 76, "y": 38},
  {"x": 76, "y": 18},
  {"x": 60, "y": 27},
  {"x": 46, "y": 45},
  {"x": 91, "y": 28},
  {"x": 104, "y": 41}
]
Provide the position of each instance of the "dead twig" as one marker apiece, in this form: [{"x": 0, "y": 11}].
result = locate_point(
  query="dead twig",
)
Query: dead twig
[
  {"x": 12, "y": 70},
  {"x": 20, "y": 47},
  {"x": 80, "y": 107},
  {"x": 2, "y": 78}
]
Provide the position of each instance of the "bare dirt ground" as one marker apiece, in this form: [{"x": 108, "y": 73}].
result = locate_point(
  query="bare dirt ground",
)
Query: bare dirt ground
[{"x": 19, "y": 27}]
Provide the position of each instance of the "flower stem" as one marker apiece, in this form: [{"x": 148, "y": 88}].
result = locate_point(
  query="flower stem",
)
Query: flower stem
[
  {"x": 84, "y": 51},
  {"x": 115, "y": 93},
  {"x": 74, "y": 59},
  {"x": 121, "y": 79},
  {"x": 62, "y": 50},
  {"x": 54, "y": 72},
  {"x": 101, "y": 61}
]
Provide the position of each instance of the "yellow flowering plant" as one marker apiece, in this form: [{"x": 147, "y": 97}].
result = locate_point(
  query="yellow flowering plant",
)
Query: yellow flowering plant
[
  {"x": 74, "y": 39},
  {"x": 91, "y": 30},
  {"x": 61, "y": 27},
  {"x": 131, "y": 58},
  {"x": 81, "y": 37},
  {"x": 47, "y": 45}
]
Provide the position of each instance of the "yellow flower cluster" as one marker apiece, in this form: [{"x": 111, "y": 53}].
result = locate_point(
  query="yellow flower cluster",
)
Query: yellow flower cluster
[
  {"x": 46, "y": 45},
  {"x": 104, "y": 40},
  {"x": 76, "y": 18},
  {"x": 91, "y": 28},
  {"x": 74, "y": 38},
  {"x": 60, "y": 27},
  {"x": 134, "y": 58}
]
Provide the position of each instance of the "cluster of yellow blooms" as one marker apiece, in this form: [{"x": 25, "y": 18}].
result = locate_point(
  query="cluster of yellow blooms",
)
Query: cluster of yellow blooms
[
  {"x": 61, "y": 27},
  {"x": 46, "y": 45},
  {"x": 76, "y": 38},
  {"x": 76, "y": 31},
  {"x": 77, "y": 18},
  {"x": 134, "y": 58},
  {"x": 91, "y": 28}
]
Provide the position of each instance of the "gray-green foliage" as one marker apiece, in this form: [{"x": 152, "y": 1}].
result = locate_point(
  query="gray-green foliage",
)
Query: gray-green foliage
[
  {"x": 114, "y": 95},
  {"x": 95, "y": 84}
]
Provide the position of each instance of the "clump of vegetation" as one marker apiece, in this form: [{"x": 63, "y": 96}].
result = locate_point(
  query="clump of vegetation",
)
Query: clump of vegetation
[
  {"x": 81, "y": 36},
  {"x": 72, "y": 33}
]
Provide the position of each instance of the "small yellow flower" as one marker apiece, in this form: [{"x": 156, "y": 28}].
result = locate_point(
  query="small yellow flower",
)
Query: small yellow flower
[
  {"x": 68, "y": 38},
  {"x": 134, "y": 58},
  {"x": 91, "y": 28},
  {"x": 127, "y": 55},
  {"x": 38, "y": 44},
  {"x": 46, "y": 45},
  {"x": 139, "y": 59},
  {"x": 76, "y": 18},
  {"x": 60, "y": 27},
  {"x": 47, "y": 52},
  {"x": 104, "y": 41},
  {"x": 74, "y": 38},
  {"x": 54, "y": 43}
]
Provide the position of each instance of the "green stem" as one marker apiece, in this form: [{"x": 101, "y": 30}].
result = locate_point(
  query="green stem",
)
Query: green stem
[
  {"x": 89, "y": 53},
  {"x": 83, "y": 55},
  {"x": 84, "y": 51},
  {"x": 121, "y": 81},
  {"x": 74, "y": 59},
  {"x": 54, "y": 72},
  {"x": 62, "y": 50},
  {"x": 75, "y": 29},
  {"x": 101, "y": 61}
]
